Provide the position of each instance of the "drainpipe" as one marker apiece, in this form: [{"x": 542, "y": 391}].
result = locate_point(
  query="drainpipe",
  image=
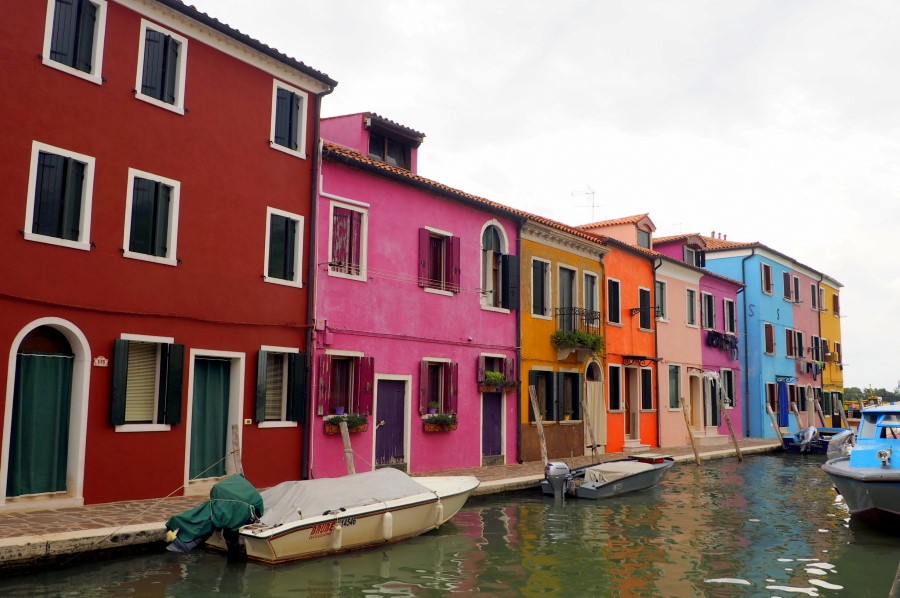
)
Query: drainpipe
[
  {"x": 519, "y": 347},
  {"x": 311, "y": 281},
  {"x": 746, "y": 363},
  {"x": 656, "y": 351}
]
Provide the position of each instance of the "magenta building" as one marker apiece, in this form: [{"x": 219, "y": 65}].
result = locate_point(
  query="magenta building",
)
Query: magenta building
[{"x": 416, "y": 297}]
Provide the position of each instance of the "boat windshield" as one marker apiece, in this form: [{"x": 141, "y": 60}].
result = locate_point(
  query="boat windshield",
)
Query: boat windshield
[{"x": 880, "y": 425}]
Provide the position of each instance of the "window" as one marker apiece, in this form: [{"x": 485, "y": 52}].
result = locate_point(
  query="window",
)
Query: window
[
  {"x": 824, "y": 351},
  {"x": 802, "y": 393},
  {"x": 728, "y": 387},
  {"x": 837, "y": 352},
  {"x": 73, "y": 40},
  {"x": 388, "y": 150},
  {"x": 708, "y": 311},
  {"x": 691, "y": 302},
  {"x": 814, "y": 347},
  {"x": 570, "y": 395},
  {"x": 646, "y": 388},
  {"x": 540, "y": 288},
  {"x": 798, "y": 344},
  {"x": 348, "y": 242},
  {"x": 60, "y": 187},
  {"x": 730, "y": 316},
  {"x": 439, "y": 266},
  {"x": 772, "y": 397},
  {"x": 503, "y": 365},
  {"x": 345, "y": 381},
  {"x": 694, "y": 256},
  {"x": 660, "y": 300},
  {"x": 674, "y": 386},
  {"x": 814, "y": 296},
  {"x": 147, "y": 383},
  {"x": 566, "y": 299},
  {"x": 288, "y": 132},
  {"x": 615, "y": 388},
  {"x": 822, "y": 299},
  {"x": 797, "y": 290},
  {"x": 161, "y": 70},
  {"x": 591, "y": 301},
  {"x": 766, "y": 279},
  {"x": 643, "y": 239},
  {"x": 644, "y": 304},
  {"x": 788, "y": 342},
  {"x": 770, "y": 338},
  {"x": 151, "y": 217},
  {"x": 499, "y": 271},
  {"x": 836, "y": 305},
  {"x": 283, "y": 247},
  {"x": 545, "y": 393},
  {"x": 613, "y": 301},
  {"x": 281, "y": 389},
  {"x": 788, "y": 287},
  {"x": 438, "y": 385}
]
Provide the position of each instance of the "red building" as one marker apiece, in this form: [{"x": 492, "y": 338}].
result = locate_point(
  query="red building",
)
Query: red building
[{"x": 158, "y": 172}]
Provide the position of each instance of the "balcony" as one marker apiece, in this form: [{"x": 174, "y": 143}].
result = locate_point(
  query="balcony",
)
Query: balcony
[{"x": 577, "y": 330}]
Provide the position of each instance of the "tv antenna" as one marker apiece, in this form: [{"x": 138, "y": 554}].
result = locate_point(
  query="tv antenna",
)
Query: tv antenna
[{"x": 589, "y": 193}]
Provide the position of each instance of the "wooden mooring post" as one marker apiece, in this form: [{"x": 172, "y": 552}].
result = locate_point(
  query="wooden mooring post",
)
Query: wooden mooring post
[
  {"x": 236, "y": 449},
  {"x": 737, "y": 448},
  {"x": 687, "y": 422},
  {"x": 775, "y": 424},
  {"x": 532, "y": 395},
  {"x": 348, "y": 449}
]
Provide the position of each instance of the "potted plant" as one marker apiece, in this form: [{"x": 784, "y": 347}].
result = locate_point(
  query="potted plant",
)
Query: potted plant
[
  {"x": 495, "y": 382},
  {"x": 568, "y": 414},
  {"x": 584, "y": 343},
  {"x": 339, "y": 411},
  {"x": 433, "y": 407},
  {"x": 440, "y": 422},
  {"x": 356, "y": 422}
]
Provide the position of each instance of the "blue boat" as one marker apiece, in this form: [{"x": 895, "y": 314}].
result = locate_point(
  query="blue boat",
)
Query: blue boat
[
  {"x": 816, "y": 441},
  {"x": 869, "y": 478}
]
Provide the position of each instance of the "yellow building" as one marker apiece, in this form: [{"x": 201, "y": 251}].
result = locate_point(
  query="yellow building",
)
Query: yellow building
[
  {"x": 562, "y": 331},
  {"x": 831, "y": 352}
]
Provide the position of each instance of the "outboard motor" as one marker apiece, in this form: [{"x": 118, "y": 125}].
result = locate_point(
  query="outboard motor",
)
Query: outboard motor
[
  {"x": 806, "y": 436},
  {"x": 557, "y": 474},
  {"x": 841, "y": 444}
]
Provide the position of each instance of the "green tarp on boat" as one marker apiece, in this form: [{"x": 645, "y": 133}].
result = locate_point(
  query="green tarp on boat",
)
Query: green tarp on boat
[{"x": 233, "y": 502}]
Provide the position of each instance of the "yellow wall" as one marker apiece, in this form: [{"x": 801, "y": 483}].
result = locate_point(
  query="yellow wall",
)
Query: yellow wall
[{"x": 833, "y": 376}]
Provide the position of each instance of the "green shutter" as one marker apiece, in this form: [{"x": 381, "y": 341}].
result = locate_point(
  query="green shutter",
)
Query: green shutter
[
  {"x": 151, "y": 78},
  {"x": 172, "y": 382},
  {"x": 298, "y": 388},
  {"x": 160, "y": 229},
  {"x": 509, "y": 294},
  {"x": 260, "y": 408},
  {"x": 70, "y": 218},
  {"x": 283, "y": 117},
  {"x": 119, "y": 386},
  {"x": 170, "y": 70},
  {"x": 84, "y": 48}
]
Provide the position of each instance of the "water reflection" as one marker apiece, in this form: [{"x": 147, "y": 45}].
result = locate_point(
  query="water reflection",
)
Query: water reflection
[{"x": 767, "y": 527}]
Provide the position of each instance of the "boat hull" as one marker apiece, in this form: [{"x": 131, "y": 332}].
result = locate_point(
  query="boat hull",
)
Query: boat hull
[
  {"x": 655, "y": 469},
  {"x": 868, "y": 491},
  {"x": 819, "y": 446},
  {"x": 356, "y": 528}
]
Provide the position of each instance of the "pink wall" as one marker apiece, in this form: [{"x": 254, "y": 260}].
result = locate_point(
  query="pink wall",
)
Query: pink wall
[
  {"x": 806, "y": 320},
  {"x": 389, "y": 317},
  {"x": 715, "y": 358}
]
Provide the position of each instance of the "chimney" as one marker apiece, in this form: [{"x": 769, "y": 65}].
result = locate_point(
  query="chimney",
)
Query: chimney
[
  {"x": 724, "y": 237},
  {"x": 713, "y": 234}
]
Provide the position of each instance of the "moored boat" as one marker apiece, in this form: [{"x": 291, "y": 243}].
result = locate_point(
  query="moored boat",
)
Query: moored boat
[
  {"x": 312, "y": 518},
  {"x": 869, "y": 478},
  {"x": 605, "y": 480},
  {"x": 815, "y": 440}
]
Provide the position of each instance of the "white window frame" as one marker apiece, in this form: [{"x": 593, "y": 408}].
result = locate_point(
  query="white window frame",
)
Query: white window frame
[
  {"x": 585, "y": 274},
  {"x": 730, "y": 321},
  {"x": 618, "y": 367},
  {"x": 723, "y": 374},
  {"x": 767, "y": 326},
  {"x": 298, "y": 249},
  {"x": 282, "y": 423},
  {"x": 690, "y": 302},
  {"x": 678, "y": 368},
  {"x": 662, "y": 293},
  {"x": 796, "y": 282},
  {"x": 814, "y": 296},
  {"x": 485, "y": 292},
  {"x": 649, "y": 307},
  {"x": 763, "y": 269},
  {"x": 447, "y": 235},
  {"x": 822, "y": 306},
  {"x": 171, "y": 257},
  {"x": 157, "y": 340},
  {"x": 180, "y": 77},
  {"x": 302, "y": 113},
  {"x": 548, "y": 289},
  {"x": 609, "y": 314},
  {"x": 95, "y": 76},
  {"x": 707, "y": 320},
  {"x": 87, "y": 193},
  {"x": 363, "y": 239}
]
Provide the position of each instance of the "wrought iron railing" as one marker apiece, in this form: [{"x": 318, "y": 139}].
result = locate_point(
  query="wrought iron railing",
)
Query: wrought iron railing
[{"x": 577, "y": 318}]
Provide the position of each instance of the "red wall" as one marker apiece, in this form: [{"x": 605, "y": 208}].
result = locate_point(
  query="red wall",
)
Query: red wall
[{"x": 215, "y": 298}]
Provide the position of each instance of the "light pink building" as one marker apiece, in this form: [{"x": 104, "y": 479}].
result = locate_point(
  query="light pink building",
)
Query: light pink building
[{"x": 416, "y": 297}]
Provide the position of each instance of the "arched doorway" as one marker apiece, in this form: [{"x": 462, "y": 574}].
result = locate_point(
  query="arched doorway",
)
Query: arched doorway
[{"x": 596, "y": 407}]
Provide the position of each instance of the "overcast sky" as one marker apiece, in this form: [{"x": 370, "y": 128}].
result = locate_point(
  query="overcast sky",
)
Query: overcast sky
[{"x": 772, "y": 121}]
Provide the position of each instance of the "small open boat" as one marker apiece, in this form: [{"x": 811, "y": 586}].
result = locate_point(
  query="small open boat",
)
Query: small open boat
[
  {"x": 869, "y": 479},
  {"x": 312, "y": 518},
  {"x": 605, "y": 480},
  {"x": 815, "y": 440}
]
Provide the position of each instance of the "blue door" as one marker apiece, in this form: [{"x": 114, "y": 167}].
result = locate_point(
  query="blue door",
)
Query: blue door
[
  {"x": 390, "y": 423},
  {"x": 491, "y": 424}
]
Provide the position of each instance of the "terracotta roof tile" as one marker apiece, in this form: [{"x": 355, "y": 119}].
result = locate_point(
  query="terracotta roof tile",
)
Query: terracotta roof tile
[
  {"x": 712, "y": 243},
  {"x": 616, "y": 221}
]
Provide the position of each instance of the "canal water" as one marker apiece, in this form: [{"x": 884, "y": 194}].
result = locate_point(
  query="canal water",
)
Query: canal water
[{"x": 770, "y": 526}]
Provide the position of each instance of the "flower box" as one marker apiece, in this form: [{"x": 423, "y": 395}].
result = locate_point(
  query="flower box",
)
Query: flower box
[
  {"x": 439, "y": 427},
  {"x": 336, "y": 428}
]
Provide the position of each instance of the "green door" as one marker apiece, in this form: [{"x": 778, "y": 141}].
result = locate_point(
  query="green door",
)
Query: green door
[
  {"x": 209, "y": 417},
  {"x": 39, "y": 436}
]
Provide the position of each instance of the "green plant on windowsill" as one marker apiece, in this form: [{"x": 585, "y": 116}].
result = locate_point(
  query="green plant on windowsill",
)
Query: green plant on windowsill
[
  {"x": 577, "y": 339},
  {"x": 354, "y": 420},
  {"x": 497, "y": 380},
  {"x": 439, "y": 421}
]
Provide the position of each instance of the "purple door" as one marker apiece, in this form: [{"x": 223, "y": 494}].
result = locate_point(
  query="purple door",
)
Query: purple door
[
  {"x": 389, "y": 426},
  {"x": 491, "y": 422}
]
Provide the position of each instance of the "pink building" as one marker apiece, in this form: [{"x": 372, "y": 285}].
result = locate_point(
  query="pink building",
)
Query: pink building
[{"x": 416, "y": 298}]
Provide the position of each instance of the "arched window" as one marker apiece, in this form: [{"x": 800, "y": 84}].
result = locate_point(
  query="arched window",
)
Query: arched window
[{"x": 491, "y": 266}]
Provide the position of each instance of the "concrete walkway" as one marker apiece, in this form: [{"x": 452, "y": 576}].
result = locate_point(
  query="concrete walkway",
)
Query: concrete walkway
[{"x": 42, "y": 538}]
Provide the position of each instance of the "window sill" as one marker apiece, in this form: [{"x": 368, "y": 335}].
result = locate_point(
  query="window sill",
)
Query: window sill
[
  {"x": 177, "y": 107},
  {"x": 277, "y": 424},
  {"x": 82, "y": 245},
  {"x": 438, "y": 291},
  {"x": 143, "y": 428},
  {"x": 499, "y": 310},
  {"x": 361, "y": 277},
  {"x": 92, "y": 77},
  {"x": 283, "y": 282},
  {"x": 541, "y": 317},
  {"x": 286, "y": 150},
  {"x": 616, "y": 324},
  {"x": 165, "y": 261}
]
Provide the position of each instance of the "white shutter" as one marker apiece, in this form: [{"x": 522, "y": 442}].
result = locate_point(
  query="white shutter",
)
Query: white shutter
[{"x": 141, "y": 389}]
